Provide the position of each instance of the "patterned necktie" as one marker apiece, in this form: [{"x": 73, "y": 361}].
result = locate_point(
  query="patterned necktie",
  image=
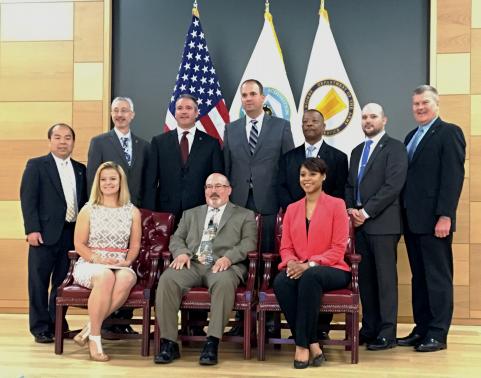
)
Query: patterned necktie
[
  {"x": 310, "y": 151},
  {"x": 364, "y": 159},
  {"x": 69, "y": 193},
  {"x": 184, "y": 147},
  {"x": 125, "y": 147},
  {"x": 415, "y": 141},
  {"x": 254, "y": 134}
]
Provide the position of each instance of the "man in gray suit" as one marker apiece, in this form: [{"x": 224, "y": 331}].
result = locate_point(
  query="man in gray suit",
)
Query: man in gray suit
[
  {"x": 253, "y": 147},
  {"x": 208, "y": 247},
  {"x": 121, "y": 146},
  {"x": 376, "y": 177}
]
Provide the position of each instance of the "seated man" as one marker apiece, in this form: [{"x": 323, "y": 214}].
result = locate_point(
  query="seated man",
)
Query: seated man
[{"x": 209, "y": 246}]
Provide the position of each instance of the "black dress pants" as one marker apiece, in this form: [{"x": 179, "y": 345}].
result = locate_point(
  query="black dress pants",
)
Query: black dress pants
[
  {"x": 431, "y": 261},
  {"x": 300, "y": 299},
  {"x": 47, "y": 266}
]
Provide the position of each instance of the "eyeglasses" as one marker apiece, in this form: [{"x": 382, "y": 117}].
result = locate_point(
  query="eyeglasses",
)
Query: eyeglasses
[
  {"x": 215, "y": 186},
  {"x": 121, "y": 111}
]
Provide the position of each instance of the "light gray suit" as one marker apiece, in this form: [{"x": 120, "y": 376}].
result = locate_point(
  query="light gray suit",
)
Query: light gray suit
[
  {"x": 262, "y": 167},
  {"x": 236, "y": 236},
  {"x": 106, "y": 147}
]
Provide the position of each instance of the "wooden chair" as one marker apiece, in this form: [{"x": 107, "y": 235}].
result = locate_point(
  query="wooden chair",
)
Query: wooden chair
[
  {"x": 337, "y": 301},
  {"x": 156, "y": 231},
  {"x": 198, "y": 298}
]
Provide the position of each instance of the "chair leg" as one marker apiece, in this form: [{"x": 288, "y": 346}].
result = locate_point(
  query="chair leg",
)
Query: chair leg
[
  {"x": 348, "y": 331},
  {"x": 146, "y": 330},
  {"x": 247, "y": 334},
  {"x": 156, "y": 337},
  {"x": 355, "y": 338},
  {"x": 261, "y": 335},
  {"x": 60, "y": 312},
  {"x": 254, "y": 327}
]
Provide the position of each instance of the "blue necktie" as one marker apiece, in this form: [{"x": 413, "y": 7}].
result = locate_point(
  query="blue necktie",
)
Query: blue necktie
[
  {"x": 254, "y": 134},
  {"x": 364, "y": 159},
  {"x": 310, "y": 151},
  {"x": 125, "y": 147},
  {"x": 415, "y": 141}
]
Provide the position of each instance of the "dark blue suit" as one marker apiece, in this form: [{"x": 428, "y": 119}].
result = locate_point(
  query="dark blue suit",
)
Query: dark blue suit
[{"x": 44, "y": 208}]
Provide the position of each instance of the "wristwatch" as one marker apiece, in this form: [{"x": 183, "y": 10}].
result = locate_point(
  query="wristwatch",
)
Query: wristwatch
[{"x": 312, "y": 264}]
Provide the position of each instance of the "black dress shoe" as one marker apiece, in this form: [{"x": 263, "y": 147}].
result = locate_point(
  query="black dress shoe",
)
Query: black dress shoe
[
  {"x": 413, "y": 339},
  {"x": 363, "y": 339},
  {"x": 44, "y": 338},
  {"x": 208, "y": 356},
  {"x": 430, "y": 345},
  {"x": 301, "y": 364},
  {"x": 381, "y": 343},
  {"x": 323, "y": 335},
  {"x": 169, "y": 351},
  {"x": 318, "y": 360},
  {"x": 237, "y": 330}
]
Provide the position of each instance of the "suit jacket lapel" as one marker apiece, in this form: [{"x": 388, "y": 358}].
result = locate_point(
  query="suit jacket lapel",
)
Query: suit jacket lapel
[
  {"x": 117, "y": 147},
  {"x": 201, "y": 213},
  {"x": 54, "y": 175},
  {"x": 241, "y": 130},
  {"x": 135, "y": 148},
  {"x": 264, "y": 131},
  {"x": 78, "y": 179},
  {"x": 379, "y": 146},
  {"x": 225, "y": 216},
  {"x": 196, "y": 146},
  {"x": 432, "y": 130},
  {"x": 323, "y": 151}
]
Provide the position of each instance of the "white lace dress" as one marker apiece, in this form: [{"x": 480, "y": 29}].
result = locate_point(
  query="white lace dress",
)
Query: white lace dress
[{"x": 109, "y": 236}]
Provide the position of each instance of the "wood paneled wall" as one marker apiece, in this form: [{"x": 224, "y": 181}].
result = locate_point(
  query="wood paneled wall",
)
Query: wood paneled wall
[{"x": 54, "y": 67}]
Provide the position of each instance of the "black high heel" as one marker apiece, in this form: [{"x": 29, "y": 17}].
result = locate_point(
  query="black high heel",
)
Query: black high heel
[
  {"x": 301, "y": 364},
  {"x": 318, "y": 360}
]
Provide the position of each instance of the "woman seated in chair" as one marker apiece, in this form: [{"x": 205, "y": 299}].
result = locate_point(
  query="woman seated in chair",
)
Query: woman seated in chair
[
  {"x": 314, "y": 239},
  {"x": 107, "y": 238}
]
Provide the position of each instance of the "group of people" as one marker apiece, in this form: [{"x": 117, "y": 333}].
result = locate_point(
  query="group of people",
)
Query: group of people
[{"x": 389, "y": 188}]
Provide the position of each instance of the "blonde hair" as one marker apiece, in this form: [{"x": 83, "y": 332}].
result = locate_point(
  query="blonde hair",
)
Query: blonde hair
[{"x": 96, "y": 197}]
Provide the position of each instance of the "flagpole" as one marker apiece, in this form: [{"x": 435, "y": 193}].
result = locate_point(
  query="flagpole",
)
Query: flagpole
[
  {"x": 323, "y": 11},
  {"x": 267, "y": 6},
  {"x": 195, "y": 10}
]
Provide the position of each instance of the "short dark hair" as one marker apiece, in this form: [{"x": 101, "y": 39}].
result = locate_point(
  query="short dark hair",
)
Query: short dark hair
[
  {"x": 314, "y": 111},
  {"x": 188, "y": 96},
  {"x": 50, "y": 130},
  {"x": 261, "y": 87},
  {"x": 315, "y": 164}
]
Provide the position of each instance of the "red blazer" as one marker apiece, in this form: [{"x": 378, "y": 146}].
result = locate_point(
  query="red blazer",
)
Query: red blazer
[{"x": 328, "y": 233}]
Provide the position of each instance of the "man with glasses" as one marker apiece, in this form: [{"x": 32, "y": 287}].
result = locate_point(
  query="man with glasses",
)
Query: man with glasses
[
  {"x": 121, "y": 146},
  {"x": 208, "y": 248}
]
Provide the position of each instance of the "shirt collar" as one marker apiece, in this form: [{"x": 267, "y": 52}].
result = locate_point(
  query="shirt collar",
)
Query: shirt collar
[
  {"x": 259, "y": 119},
  {"x": 122, "y": 135},
  {"x": 180, "y": 130},
  {"x": 317, "y": 145},
  {"x": 429, "y": 124},
  {"x": 221, "y": 208},
  {"x": 378, "y": 137},
  {"x": 60, "y": 161}
]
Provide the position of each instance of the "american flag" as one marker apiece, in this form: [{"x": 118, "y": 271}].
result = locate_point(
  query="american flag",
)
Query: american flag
[{"x": 197, "y": 77}]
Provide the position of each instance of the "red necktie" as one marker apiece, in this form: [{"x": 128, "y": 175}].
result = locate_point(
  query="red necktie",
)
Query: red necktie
[{"x": 184, "y": 147}]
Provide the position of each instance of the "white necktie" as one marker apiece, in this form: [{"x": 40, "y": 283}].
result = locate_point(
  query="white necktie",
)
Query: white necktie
[{"x": 69, "y": 192}]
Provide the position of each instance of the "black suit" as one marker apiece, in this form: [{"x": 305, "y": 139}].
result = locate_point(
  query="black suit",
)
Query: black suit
[
  {"x": 106, "y": 147},
  {"x": 434, "y": 182},
  {"x": 44, "y": 208},
  {"x": 289, "y": 188},
  {"x": 173, "y": 187},
  {"x": 376, "y": 240}
]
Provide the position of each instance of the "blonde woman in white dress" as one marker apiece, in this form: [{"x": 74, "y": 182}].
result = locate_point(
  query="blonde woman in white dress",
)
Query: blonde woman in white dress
[{"x": 107, "y": 238}]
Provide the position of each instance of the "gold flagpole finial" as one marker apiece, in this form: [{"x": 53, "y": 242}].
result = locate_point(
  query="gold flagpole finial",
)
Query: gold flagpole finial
[
  {"x": 267, "y": 6},
  {"x": 321, "y": 9},
  {"x": 195, "y": 11}
]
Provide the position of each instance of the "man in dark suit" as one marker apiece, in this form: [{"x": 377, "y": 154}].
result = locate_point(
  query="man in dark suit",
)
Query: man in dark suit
[
  {"x": 253, "y": 147},
  {"x": 313, "y": 127},
  {"x": 52, "y": 191},
  {"x": 121, "y": 146},
  {"x": 436, "y": 151},
  {"x": 180, "y": 162},
  {"x": 376, "y": 177},
  {"x": 290, "y": 190}
]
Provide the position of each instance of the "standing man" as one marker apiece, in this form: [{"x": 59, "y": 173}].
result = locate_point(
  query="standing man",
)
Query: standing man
[
  {"x": 209, "y": 248},
  {"x": 52, "y": 191},
  {"x": 121, "y": 146},
  {"x": 313, "y": 127},
  {"x": 253, "y": 147},
  {"x": 180, "y": 162},
  {"x": 436, "y": 151},
  {"x": 376, "y": 177}
]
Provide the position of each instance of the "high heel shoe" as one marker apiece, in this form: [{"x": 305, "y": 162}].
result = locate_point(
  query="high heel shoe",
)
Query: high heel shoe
[
  {"x": 96, "y": 355},
  {"x": 82, "y": 337},
  {"x": 301, "y": 364},
  {"x": 318, "y": 360}
]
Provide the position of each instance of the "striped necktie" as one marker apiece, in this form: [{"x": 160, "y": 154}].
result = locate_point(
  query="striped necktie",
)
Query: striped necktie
[{"x": 254, "y": 134}]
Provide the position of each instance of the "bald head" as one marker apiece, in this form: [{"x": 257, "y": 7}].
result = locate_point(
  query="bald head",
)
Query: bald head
[
  {"x": 373, "y": 119},
  {"x": 217, "y": 190}
]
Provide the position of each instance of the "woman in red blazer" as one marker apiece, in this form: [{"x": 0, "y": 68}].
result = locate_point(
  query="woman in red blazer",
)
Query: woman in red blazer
[{"x": 314, "y": 238}]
